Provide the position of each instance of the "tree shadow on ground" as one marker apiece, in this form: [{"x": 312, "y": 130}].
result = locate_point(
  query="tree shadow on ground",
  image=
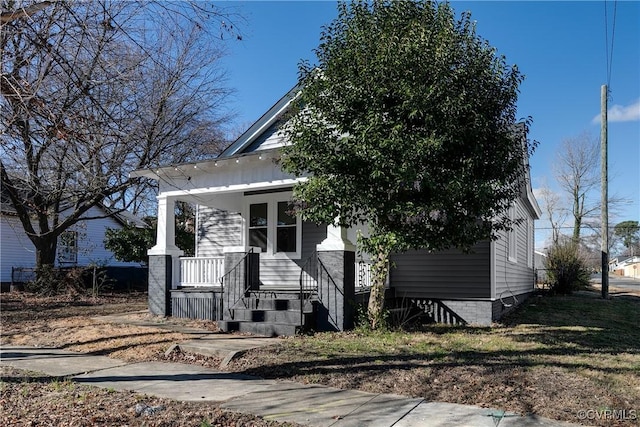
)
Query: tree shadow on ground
[{"x": 567, "y": 332}]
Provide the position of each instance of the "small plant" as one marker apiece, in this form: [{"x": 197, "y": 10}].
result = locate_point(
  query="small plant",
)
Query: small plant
[
  {"x": 362, "y": 323},
  {"x": 100, "y": 280},
  {"x": 566, "y": 268},
  {"x": 62, "y": 385}
]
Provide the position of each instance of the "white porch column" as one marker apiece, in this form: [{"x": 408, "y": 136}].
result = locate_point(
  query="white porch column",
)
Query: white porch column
[
  {"x": 164, "y": 260},
  {"x": 166, "y": 232},
  {"x": 336, "y": 240}
]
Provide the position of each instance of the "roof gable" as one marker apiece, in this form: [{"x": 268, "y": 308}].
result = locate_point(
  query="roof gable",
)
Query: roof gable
[{"x": 263, "y": 134}]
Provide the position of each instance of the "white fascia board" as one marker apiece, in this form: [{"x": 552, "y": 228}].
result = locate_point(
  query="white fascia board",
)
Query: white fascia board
[
  {"x": 202, "y": 166},
  {"x": 262, "y": 124},
  {"x": 534, "y": 203},
  {"x": 234, "y": 188}
]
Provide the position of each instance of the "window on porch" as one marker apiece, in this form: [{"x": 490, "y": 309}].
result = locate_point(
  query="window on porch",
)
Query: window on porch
[
  {"x": 271, "y": 225},
  {"x": 258, "y": 222},
  {"x": 286, "y": 229}
]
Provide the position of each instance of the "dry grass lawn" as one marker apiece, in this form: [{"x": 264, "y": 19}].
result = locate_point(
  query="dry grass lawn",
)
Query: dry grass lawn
[{"x": 556, "y": 357}]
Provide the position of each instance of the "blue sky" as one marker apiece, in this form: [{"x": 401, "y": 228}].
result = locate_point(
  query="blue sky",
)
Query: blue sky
[{"x": 559, "y": 46}]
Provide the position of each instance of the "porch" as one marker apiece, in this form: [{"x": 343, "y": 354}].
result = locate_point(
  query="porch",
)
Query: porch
[
  {"x": 228, "y": 289},
  {"x": 238, "y": 300},
  {"x": 206, "y": 272},
  {"x": 247, "y": 241}
]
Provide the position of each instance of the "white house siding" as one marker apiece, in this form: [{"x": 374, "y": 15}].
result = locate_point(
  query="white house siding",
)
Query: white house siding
[
  {"x": 448, "y": 274},
  {"x": 271, "y": 138},
  {"x": 217, "y": 229},
  {"x": 515, "y": 276},
  {"x": 91, "y": 235},
  {"x": 16, "y": 250}
]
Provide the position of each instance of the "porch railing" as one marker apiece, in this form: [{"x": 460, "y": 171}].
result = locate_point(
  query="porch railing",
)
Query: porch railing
[
  {"x": 363, "y": 275},
  {"x": 201, "y": 271}
]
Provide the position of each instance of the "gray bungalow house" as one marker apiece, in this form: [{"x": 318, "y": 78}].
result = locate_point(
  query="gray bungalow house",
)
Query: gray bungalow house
[{"x": 258, "y": 269}]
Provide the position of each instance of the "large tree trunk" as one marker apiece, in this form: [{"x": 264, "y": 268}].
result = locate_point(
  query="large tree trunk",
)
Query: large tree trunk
[
  {"x": 379, "y": 273},
  {"x": 45, "y": 251}
]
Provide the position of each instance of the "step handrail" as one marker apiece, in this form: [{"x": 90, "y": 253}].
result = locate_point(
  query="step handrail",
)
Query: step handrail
[
  {"x": 308, "y": 282},
  {"x": 245, "y": 262}
]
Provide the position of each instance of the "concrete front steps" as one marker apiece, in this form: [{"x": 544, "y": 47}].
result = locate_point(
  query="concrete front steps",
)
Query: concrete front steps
[{"x": 269, "y": 314}]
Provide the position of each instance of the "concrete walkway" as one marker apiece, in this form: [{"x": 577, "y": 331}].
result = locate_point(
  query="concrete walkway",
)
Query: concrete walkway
[{"x": 311, "y": 405}]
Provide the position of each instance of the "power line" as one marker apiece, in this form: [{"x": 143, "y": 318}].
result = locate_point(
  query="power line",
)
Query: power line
[{"x": 609, "y": 54}]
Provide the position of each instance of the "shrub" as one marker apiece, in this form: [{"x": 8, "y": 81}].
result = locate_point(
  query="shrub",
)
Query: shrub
[
  {"x": 51, "y": 281},
  {"x": 566, "y": 268}
]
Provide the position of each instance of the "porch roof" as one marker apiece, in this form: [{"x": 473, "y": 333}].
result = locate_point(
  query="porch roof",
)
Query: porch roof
[{"x": 179, "y": 169}]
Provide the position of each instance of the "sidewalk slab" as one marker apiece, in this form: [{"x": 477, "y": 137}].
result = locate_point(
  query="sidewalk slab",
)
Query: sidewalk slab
[
  {"x": 176, "y": 381},
  {"x": 312, "y": 405},
  {"x": 534, "y": 421},
  {"x": 54, "y": 362},
  {"x": 442, "y": 414},
  {"x": 226, "y": 347},
  {"x": 323, "y": 406}
]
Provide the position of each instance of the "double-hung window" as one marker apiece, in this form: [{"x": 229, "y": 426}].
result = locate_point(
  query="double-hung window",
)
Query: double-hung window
[
  {"x": 286, "y": 229},
  {"x": 68, "y": 247},
  {"x": 258, "y": 222},
  {"x": 272, "y": 226}
]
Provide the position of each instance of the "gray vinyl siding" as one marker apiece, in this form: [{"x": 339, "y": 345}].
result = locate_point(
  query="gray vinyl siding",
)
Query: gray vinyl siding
[
  {"x": 447, "y": 274},
  {"x": 285, "y": 273},
  {"x": 271, "y": 138},
  {"x": 312, "y": 235},
  {"x": 514, "y": 277},
  {"x": 217, "y": 229}
]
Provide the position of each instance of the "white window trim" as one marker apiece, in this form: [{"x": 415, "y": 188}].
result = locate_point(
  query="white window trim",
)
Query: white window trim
[
  {"x": 512, "y": 237},
  {"x": 271, "y": 199},
  {"x": 530, "y": 244},
  {"x": 68, "y": 253}
]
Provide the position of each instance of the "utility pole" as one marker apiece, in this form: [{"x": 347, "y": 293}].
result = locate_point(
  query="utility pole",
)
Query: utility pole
[{"x": 604, "y": 213}]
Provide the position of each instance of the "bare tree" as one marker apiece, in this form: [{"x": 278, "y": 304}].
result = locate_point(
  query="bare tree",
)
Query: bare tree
[
  {"x": 94, "y": 90},
  {"x": 556, "y": 213},
  {"x": 577, "y": 173}
]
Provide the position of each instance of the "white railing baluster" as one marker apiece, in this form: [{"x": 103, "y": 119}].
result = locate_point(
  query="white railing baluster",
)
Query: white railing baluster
[{"x": 201, "y": 271}]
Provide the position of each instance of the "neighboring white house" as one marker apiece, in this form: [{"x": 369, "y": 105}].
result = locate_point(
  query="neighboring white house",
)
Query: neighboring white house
[
  {"x": 627, "y": 267},
  {"x": 81, "y": 245},
  {"x": 242, "y": 198}
]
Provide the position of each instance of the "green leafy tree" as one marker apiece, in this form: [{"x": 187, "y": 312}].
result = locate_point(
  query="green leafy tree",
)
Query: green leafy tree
[
  {"x": 407, "y": 123},
  {"x": 629, "y": 232},
  {"x": 131, "y": 243}
]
